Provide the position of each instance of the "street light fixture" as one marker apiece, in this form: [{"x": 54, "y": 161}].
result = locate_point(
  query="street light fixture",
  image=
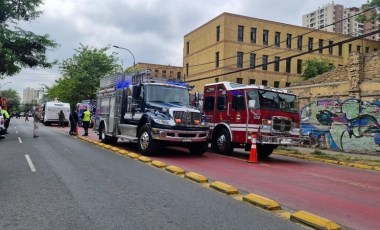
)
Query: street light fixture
[
  {"x": 118, "y": 47},
  {"x": 3, "y": 85}
]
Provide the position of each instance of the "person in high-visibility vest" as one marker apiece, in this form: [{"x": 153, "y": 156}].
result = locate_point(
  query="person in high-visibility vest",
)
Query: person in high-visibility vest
[
  {"x": 86, "y": 117},
  {"x": 7, "y": 119}
]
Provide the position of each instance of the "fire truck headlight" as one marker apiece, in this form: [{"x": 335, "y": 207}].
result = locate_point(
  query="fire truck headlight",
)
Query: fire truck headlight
[
  {"x": 266, "y": 122},
  {"x": 162, "y": 122}
]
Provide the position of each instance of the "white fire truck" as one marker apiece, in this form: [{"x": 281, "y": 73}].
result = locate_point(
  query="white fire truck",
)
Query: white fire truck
[
  {"x": 235, "y": 112},
  {"x": 152, "y": 112}
]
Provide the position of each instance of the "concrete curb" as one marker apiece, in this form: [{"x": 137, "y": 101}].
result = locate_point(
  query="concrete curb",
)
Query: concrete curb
[
  {"x": 196, "y": 177},
  {"x": 224, "y": 188},
  {"x": 175, "y": 170},
  {"x": 314, "y": 221},
  {"x": 262, "y": 202},
  {"x": 144, "y": 159},
  {"x": 158, "y": 164}
]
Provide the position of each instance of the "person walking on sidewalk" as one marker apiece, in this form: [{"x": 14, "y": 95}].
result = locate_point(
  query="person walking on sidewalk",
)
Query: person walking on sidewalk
[
  {"x": 61, "y": 119},
  {"x": 73, "y": 121},
  {"x": 86, "y": 117},
  {"x": 37, "y": 119}
]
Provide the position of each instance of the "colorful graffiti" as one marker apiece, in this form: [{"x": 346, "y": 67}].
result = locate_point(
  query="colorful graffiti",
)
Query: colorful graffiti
[{"x": 350, "y": 126}]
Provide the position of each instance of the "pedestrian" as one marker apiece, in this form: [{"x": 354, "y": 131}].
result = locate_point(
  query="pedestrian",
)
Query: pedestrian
[
  {"x": 86, "y": 117},
  {"x": 2, "y": 130},
  {"x": 27, "y": 116},
  {"x": 73, "y": 121},
  {"x": 37, "y": 119},
  {"x": 7, "y": 119},
  {"x": 61, "y": 119}
]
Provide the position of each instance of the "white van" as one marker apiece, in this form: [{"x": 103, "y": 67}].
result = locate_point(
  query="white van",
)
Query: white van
[{"x": 51, "y": 110}]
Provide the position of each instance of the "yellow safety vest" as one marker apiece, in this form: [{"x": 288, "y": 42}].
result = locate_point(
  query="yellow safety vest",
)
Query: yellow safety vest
[
  {"x": 86, "y": 116},
  {"x": 5, "y": 113}
]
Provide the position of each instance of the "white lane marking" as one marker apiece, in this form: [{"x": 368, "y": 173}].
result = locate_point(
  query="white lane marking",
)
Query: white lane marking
[
  {"x": 353, "y": 183},
  {"x": 32, "y": 168},
  {"x": 16, "y": 132},
  {"x": 19, "y": 140}
]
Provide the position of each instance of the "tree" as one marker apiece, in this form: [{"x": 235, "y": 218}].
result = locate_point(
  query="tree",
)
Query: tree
[
  {"x": 314, "y": 67},
  {"x": 19, "y": 48},
  {"x": 82, "y": 73},
  {"x": 371, "y": 14},
  {"x": 13, "y": 99}
]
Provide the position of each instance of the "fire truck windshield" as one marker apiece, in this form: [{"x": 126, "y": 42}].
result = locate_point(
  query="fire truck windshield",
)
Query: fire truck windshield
[
  {"x": 273, "y": 100},
  {"x": 167, "y": 94}
]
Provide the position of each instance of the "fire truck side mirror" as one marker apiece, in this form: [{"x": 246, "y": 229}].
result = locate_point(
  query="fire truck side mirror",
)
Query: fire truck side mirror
[{"x": 251, "y": 104}]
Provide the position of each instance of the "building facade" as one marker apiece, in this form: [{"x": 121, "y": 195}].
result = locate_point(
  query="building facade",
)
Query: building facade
[
  {"x": 254, "y": 51},
  {"x": 28, "y": 95},
  {"x": 162, "y": 71}
]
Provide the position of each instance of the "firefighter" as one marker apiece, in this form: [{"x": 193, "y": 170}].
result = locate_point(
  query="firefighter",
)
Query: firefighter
[
  {"x": 86, "y": 117},
  {"x": 7, "y": 120}
]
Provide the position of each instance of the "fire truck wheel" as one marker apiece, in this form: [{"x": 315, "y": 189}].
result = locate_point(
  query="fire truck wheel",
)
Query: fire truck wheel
[
  {"x": 198, "y": 148},
  {"x": 223, "y": 142},
  {"x": 105, "y": 138},
  {"x": 264, "y": 151},
  {"x": 146, "y": 145}
]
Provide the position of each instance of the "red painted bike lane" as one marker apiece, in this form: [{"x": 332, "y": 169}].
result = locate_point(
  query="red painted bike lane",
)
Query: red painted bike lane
[{"x": 348, "y": 196}]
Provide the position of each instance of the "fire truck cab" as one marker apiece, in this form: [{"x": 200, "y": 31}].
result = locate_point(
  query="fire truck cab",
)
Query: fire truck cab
[{"x": 236, "y": 113}]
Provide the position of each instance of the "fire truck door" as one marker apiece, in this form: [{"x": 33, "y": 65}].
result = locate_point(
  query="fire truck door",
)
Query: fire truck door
[{"x": 134, "y": 107}]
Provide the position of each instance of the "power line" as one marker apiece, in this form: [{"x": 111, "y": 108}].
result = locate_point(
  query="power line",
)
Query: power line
[{"x": 290, "y": 57}]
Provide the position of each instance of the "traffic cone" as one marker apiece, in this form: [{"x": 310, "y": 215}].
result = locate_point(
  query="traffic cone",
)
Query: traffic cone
[
  {"x": 253, "y": 154},
  {"x": 76, "y": 131}
]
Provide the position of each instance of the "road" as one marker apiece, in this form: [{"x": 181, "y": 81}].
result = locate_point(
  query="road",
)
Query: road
[
  {"x": 348, "y": 196},
  {"x": 56, "y": 181}
]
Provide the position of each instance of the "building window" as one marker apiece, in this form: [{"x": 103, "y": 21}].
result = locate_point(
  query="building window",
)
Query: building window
[
  {"x": 375, "y": 49},
  {"x": 331, "y": 47},
  {"x": 310, "y": 44},
  {"x": 164, "y": 73},
  {"x": 187, "y": 48},
  {"x": 217, "y": 60},
  {"x": 349, "y": 48},
  {"x": 253, "y": 35},
  {"x": 277, "y": 39},
  {"x": 276, "y": 63},
  {"x": 239, "y": 62},
  {"x": 320, "y": 46},
  {"x": 287, "y": 84},
  {"x": 187, "y": 69},
  {"x": 240, "y": 33},
  {"x": 288, "y": 65},
  {"x": 276, "y": 84},
  {"x": 299, "y": 66},
  {"x": 367, "y": 49},
  {"x": 265, "y": 37},
  {"x": 288, "y": 41},
  {"x": 217, "y": 33},
  {"x": 178, "y": 75},
  {"x": 264, "y": 82},
  {"x": 216, "y": 79},
  {"x": 252, "y": 60},
  {"x": 299, "y": 42},
  {"x": 265, "y": 62},
  {"x": 358, "y": 48},
  {"x": 239, "y": 80},
  {"x": 252, "y": 81},
  {"x": 340, "y": 49}
]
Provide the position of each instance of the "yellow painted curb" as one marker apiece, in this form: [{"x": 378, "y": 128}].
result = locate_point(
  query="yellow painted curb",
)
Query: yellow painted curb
[
  {"x": 133, "y": 155},
  {"x": 314, "y": 220},
  {"x": 115, "y": 149},
  {"x": 107, "y": 146},
  {"x": 361, "y": 166},
  {"x": 158, "y": 164},
  {"x": 175, "y": 170},
  {"x": 123, "y": 152},
  {"x": 331, "y": 161},
  {"x": 144, "y": 159},
  {"x": 224, "y": 188},
  {"x": 261, "y": 201},
  {"x": 343, "y": 163},
  {"x": 196, "y": 177},
  {"x": 376, "y": 168},
  {"x": 101, "y": 144}
]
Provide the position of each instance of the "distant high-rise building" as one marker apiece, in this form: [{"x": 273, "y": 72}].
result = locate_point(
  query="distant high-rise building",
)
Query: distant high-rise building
[
  {"x": 339, "y": 19},
  {"x": 28, "y": 95}
]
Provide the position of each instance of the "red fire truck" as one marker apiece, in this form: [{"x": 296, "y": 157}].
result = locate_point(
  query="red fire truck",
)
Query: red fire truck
[{"x": 236, "y": 112}]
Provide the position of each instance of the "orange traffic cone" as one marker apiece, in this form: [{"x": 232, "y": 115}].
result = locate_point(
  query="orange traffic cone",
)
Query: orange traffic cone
[
  {"x": 253, "y": 154},
  {"x": 76, "y": 131}
]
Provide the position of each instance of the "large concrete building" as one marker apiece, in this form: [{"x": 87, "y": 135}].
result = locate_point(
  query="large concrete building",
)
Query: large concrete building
[
  {"x": 162, "y": 71},
  {"x": 339, "y": 19},
  {"x": 28, "y": 95},
  {"x": 248, "y": 50}
]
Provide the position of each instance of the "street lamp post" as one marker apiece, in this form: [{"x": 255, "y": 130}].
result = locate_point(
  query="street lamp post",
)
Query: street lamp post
[
  {"x": 3, "y": 85},
  {"x": 118, "y": 47}
]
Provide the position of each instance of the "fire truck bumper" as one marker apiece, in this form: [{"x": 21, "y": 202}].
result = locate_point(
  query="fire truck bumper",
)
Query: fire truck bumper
[
  {"x": 279, "y": 140},
  {"x": 179, "y": 135}
]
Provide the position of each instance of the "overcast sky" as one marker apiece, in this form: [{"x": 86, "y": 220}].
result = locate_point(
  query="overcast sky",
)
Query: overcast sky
[{"x": 153, "y": 30}]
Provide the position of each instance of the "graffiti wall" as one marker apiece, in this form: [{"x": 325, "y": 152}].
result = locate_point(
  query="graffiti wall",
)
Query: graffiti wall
[{"x": 350, "y": 126}]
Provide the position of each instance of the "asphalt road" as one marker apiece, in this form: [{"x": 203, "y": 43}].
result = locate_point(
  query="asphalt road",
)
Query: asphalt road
[{"x": 58, "y": 182}]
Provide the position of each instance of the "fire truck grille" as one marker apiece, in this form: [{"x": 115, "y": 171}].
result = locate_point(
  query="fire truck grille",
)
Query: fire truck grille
[
  {"x": 281, "y": 124},
  {"x": 188, "y": 118}
]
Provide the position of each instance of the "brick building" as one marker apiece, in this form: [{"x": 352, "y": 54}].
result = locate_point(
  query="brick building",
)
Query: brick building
[{"x": 162, "y": 71}]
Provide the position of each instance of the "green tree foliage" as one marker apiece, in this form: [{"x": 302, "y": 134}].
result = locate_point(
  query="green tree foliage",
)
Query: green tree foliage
[
  {"x": 81, "y": 74},
  {"x": 314, "y": 67},
  {"x": 13, "y": 99},
  {"x": 372, "y": 15},
  {"x": 19, "y": 48}
]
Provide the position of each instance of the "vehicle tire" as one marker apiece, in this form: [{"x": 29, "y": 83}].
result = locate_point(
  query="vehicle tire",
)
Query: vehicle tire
[
  {"x": 198, "y": 148},
  {"x": 105, "y": 138},
  {"x": 145, "y": 144},
  {"x": 223, "y": 142},
  {"x": 264, "y": 151}
]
